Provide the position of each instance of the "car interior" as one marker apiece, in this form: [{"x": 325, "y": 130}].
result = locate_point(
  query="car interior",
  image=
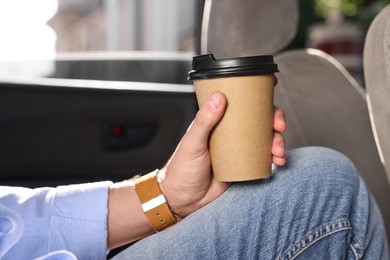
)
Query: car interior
[{"x": 102, "y": 116}]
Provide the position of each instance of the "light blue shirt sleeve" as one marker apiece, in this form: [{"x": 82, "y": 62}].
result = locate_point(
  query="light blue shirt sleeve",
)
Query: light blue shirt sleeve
[{"x": 72, "y": 218}]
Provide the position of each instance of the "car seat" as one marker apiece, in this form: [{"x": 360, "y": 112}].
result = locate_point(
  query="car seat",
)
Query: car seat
[{"x": 376, "y": 60}]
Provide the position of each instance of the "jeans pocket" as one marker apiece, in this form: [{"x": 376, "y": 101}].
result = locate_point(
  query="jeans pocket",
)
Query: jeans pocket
[{"x": 334, "y": 240}]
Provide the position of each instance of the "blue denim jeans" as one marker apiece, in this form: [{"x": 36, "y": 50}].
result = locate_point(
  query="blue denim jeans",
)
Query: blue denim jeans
[{"x": 315, "y": 207}]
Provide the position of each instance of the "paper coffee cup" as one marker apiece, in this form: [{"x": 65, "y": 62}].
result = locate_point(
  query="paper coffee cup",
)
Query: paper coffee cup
[{"x": 240, "y": 145}]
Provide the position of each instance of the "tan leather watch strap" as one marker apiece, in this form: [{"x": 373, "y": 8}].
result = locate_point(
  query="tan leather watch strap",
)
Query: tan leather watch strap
[{"x": 153, "y": 202}]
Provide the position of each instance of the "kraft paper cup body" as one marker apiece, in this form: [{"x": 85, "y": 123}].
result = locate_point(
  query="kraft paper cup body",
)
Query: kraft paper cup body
[{"x": 240, "y": 144}]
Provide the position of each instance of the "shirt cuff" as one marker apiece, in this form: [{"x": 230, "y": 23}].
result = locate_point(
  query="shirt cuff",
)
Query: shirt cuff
[{"x": 79, "y": 219}]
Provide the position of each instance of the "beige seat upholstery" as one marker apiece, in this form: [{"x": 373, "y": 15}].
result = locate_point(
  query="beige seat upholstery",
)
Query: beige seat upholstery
[
  {"x": 232, "y": 28},
  {"x": 325, "y": 106},
  {"x": 377, "y": 78}
]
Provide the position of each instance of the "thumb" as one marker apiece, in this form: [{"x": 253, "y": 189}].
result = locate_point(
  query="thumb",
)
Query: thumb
[{"x": 207, "y": 117}]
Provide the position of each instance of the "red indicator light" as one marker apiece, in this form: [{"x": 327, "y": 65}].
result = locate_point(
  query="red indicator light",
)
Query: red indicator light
[{"x": 117, "y": 130}]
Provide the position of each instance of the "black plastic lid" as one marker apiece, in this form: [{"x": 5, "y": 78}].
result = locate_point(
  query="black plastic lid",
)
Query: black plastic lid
[{"x": 206, "y": 66}]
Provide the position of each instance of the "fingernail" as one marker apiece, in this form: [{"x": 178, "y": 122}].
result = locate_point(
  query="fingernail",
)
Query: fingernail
[{"x": 214, "y": 102}]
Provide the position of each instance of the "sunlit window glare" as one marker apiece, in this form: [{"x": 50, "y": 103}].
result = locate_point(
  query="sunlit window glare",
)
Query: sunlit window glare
[{"x": 24, "y": 31}]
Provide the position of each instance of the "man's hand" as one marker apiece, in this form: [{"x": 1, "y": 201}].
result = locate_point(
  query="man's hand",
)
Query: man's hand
[{"x": 187, "y": 180}]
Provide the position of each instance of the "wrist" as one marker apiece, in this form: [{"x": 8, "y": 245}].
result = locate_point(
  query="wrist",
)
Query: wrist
[
  {"x": 154, "y": 203},
  {"x": 177, "y": 200},
  {"x": 125, "y": 222}
]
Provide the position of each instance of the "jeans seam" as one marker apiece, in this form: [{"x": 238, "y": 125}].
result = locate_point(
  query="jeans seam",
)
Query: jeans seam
[
  {"x": 354, "y": 252},
  {"x": 314, "y": 236},
  {"x": 357, "y": 247}
]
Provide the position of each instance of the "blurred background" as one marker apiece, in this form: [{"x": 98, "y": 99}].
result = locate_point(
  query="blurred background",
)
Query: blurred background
[
  {"x": 43, "y": 29},
  {"x": 84, "y": 47}
]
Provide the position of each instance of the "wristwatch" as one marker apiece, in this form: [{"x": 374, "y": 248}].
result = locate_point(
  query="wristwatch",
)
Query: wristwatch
[{"x": 154, "y": 203}]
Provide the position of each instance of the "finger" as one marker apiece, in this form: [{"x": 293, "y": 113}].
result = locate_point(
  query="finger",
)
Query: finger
[
  {"x": 275, "y": 81},
  {"x": 278, "y": 161},
  {"x": 206, "y": 118},
  {"x": 278, "y": 146},
  {"x": 279, "y": 120}
]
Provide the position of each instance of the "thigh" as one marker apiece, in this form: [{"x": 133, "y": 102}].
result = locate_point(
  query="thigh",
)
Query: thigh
[{"x": 307, "y": 208}]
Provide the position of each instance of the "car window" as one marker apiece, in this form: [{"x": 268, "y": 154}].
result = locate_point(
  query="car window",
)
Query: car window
[{"x": 36, "y": 32}]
